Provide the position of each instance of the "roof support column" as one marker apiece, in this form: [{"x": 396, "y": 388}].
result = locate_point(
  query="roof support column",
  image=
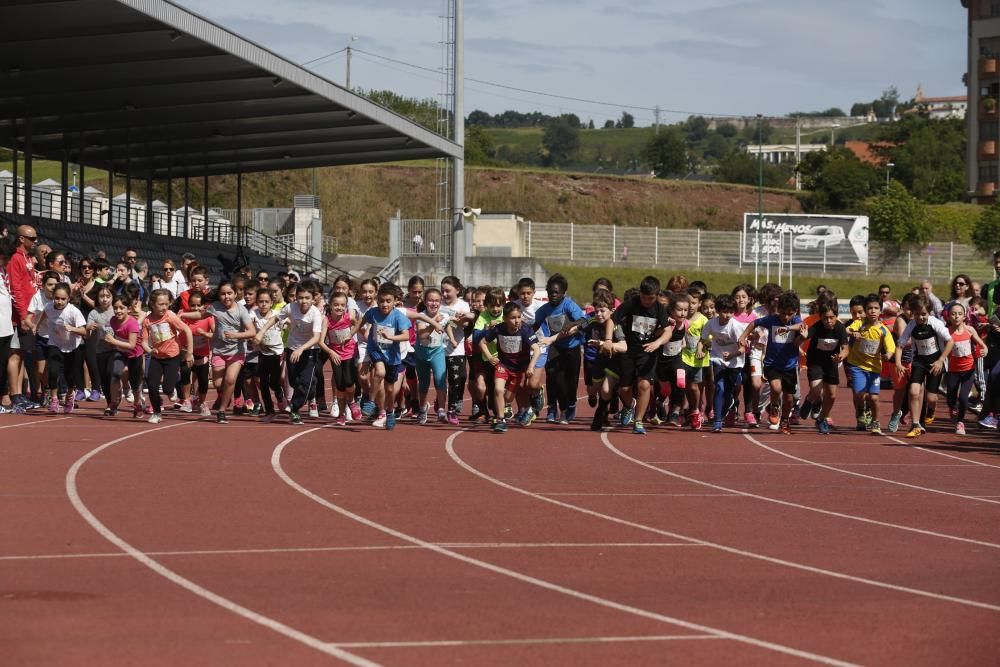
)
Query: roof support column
[
  {"x": 82, "y": 184},
  {"x": 459, "y": 240},
  {"x": 128, "y": 182},
  {"x": 111, "y": 185},
  {"x": 149, "y": 204},
  {"x": 28, "y": 159},
  {"x": 170, "y": 204},
  {"x": 64, "y": 188},
  {"x": 239, "y": 212},
  {"x": 187, "y": 213},
  {"x": 204, "y": 202}
]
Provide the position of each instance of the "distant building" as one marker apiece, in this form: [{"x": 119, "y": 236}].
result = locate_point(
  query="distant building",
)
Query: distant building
[
  {"x": 869, "y": 152},
  {"x": 781, "y": 153},
  {"x": 983, "y": 81},
  {"x": 940, "y": 108}
]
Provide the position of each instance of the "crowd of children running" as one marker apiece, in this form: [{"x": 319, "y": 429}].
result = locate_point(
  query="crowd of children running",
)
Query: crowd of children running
[{"x": 671, "y": 354}]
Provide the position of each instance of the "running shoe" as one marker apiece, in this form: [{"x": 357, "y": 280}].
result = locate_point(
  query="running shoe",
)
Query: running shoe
[
  {"x": 928, "y": 420},
  {"x": 390, "y": 421},
  {"x": 422, "y": 416},
  {"x": 960, "y": 428},
  {"x": 989, "y": 421},
  {"x": 148, "y": 409},
  {"x": 638, "y": 429},
  {"x": 772, "y": 417},
  {"x": 861, "y": 426},
  {"x": 893, "y": 425},
  {"x": 323, "y": 407},
  {"x": 186, "y": 405},
  {"x": 255, "y": 411},
  {"x": 313, "y": 409},
  {"x": 221, "y": 418},
  {"x": 508, "y": 411},
  {"x": 823, "y": 426},
  {"x": 94, "y": 396},
  {"x": 538, "y": 402},
  {"x": 136, "y": 410},
  {"x": 553, "y": 416},
  {"x": 717, "y": 427},
  {"x": 205, "y": 410},
  {"x": 696, "y": 421},
  {"x": 626, "y": 415},
  {"x": 335, "y": 409},
  {"x": 876, "y": 428},
  {"x": 569, "y": 415},
  {"x": 524, "y": 418},
  {"x": 750, "y": 420},
  {"x": 730, "y": 420},
  {"x": 453, "y": 418},
  {"x": 674, "y": 419},
  {"x": 155, "y": 418},
  {"x": 341, "y": 420},
  {"x": 69, "y": 404},
  {"x": 54, "y": 405},
  {"x": 294, "y": 417},
  {"x": 785, "y": 427},
  {"x": 129, "y": 396},
  {"x": 916, "y": 431},
  {"x": 81, "y": 395},
  {"x": 806, "y": 409},
  {"x": 500, "y": 426},
  {"x": 442, "y": 416},
  {"x": 380, "y": 420},
  {"x": 267, "y": 418},
  {"x": 355, "y": 411}
]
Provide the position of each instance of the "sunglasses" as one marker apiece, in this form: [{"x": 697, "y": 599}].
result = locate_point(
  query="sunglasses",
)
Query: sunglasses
[
  {"x": 30, "y": 238},
  {"x": 261, "y": 277},
  {"x": 960, "y": 284},
  {"x": 131, "y": 258},
  {"x": 167, "y": 268}
]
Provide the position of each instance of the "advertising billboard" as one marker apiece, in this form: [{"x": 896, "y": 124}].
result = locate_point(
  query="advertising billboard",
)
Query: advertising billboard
[{"x": 829, "y": 240}]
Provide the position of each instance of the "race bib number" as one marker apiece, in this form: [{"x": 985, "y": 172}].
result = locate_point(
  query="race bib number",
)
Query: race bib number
[
  {"x": 963, "y": 348},
  {"x": 780, "y": 335},
  {"x": 926, "y": 346},
  {"x": 826, "y": 344},
  {"x": 673, "y": 348},
  {"x": 381, "y": 340},
  {"x": 160, "y": 332},
  {"x": 340, "y": 336},
  {"x": 869, "y": 347},
  {"x": 643, "y": 326},
  {"x": 556, "y": 323},
  {"x": 692, "y": 341},
  {"x": 108, "y": 331},
  {"x": 510, "y": 344}
]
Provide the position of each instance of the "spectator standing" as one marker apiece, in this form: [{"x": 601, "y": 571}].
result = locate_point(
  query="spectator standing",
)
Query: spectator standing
[
  {"x": 418, "y": 243},
  {"x": 21, "y": 278},
  {"x": 991, "y": 290},
  {"x": 927, "y": 291}
]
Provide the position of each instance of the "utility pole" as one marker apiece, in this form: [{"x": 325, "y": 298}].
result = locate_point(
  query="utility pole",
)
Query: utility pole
[
  {"x": 798, "y": 152},
  {"x": 347, "y": 83},
  {"x": 656, "y": 116}
]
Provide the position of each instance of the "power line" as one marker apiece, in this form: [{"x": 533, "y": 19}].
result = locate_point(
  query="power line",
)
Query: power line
[
  {"x": 554, "y": 95},
  {"x": 333, "y": 53}
]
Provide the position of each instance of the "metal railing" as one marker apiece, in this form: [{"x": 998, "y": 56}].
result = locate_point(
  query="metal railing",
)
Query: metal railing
[
  {"x": 293, "y": 258},
  {"x": 424, "y": 238}
]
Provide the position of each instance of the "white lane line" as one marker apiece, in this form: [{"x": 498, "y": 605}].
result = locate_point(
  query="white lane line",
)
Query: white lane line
[
  {"x": 779, "y": 464},
  {"x": 787, "y": 503},
  {"x": 604, "y": 602},
  {"x": 522, "y": 642},
  {"x": 872, "y": 477},
  {"x": 715, "y": 545},
  {"x": 187, "y": 584},
  {"x": 40, "y": 421},
  {"x": 945, "y": 454},
  {"x": 657, "y": 495},
  {"x": 397, "y": 547}
]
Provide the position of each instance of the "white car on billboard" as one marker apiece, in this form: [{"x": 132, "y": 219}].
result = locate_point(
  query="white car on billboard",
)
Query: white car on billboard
[{"x": 820, "y": 236}]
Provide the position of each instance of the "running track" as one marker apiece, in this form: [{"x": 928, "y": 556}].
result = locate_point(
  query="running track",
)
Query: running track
[{"x": 124, "y": 543}]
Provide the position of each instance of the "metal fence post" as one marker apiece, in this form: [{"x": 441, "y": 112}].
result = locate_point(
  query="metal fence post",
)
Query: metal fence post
[
  {"x": 951, "y": 258},
  {"x": 571, "y": 251},
  {"x": 529, "y": 238},
  {"x": 739, "y": 251},
  {"x": 614, "y": 244},
  {"x": 698, "y": 251},
  {"x": 656, "y": 245},
  {"x": 909, "y": 263}
]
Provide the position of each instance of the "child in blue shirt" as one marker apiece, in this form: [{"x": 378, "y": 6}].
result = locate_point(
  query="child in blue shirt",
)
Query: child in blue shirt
[
  {"x": 562, "y": 370},
  {"x": 781, "y": 356},
  {"x": 389, "y": 327}
]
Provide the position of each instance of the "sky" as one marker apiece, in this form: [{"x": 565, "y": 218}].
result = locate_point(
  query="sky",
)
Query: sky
[{"x": 709, "y": 57}]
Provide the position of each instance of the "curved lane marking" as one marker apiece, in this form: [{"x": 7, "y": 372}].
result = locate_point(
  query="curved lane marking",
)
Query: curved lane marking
[
  {"x": 541, "y": 583},
  {"x": 74, "y": 496}
]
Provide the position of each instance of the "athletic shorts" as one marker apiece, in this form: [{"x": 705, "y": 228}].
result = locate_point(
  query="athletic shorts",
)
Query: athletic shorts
[
  {"x": 863, "y": 381},
  {"x": 226, "y": 360},
  {"x": 602, "y": 367},
  {"x": 694, "y": 375},
  {"x": 252, "y": 368},
  {"x": 514, "y": 379},
  {"x": 638, "y": 366},
  {"x": 756, "y": 363},
  {"x": 789, "y": 377},
  {"x": 825, "y": 372},
  {"x": 920, "y": 372}
]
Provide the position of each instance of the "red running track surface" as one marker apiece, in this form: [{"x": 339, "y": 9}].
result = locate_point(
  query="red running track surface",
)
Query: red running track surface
[{"x": 125, "y": 543}]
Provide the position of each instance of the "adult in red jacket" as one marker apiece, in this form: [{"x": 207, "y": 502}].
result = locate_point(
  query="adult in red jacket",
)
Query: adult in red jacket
[{"x": 21, "y": 276}]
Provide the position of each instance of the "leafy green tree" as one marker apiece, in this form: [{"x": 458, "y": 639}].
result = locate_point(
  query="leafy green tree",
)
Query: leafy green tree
[
  {"x": 839, "y": 181},
  {"x": 727, "y": 130},
  {"x": 590, "y": 124},
  {"x": 898, "y": 219},
  {"x": 666, "y": 154},
  {"x": 559, "y": 141},
  {"x": 572, "y": 119},
  {"x": 986, "y": 234},
  {"x": 421, "y": 111},
  {"x": 480, "y": 149},
  {"x": 928, "y": 156},
  {"x": 696, "y": 128},
  {"x": 716, "y": 146},
  {"x": 626, "y": 121},
  {"x": 609, "y": 124},
  {"x": 749, "y": 133},
  {"x": 739, "y": 167}
]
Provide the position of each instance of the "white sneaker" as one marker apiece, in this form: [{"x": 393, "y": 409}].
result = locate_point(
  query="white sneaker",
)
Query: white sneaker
[
  {"x": 154, "y": 418},
  {"x": 335, "y": 409},
  {"x": 173, "y": 396},
  {"x": 380, "y": 422},
  {"x": 205, "y": 410},
  {"x": 442, "y": 415},
  {"x": 130, "y": 397},
  {"x": 313, "y": 411}
]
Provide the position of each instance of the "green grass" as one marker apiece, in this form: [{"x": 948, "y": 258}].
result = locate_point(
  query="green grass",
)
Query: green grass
[
  {"x": 42, "y": 169},
  {"x": 582, "y": 278}
]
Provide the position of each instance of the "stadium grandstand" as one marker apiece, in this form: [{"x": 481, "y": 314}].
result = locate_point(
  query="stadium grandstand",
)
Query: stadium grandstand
[{"x": 151, "y": 92}]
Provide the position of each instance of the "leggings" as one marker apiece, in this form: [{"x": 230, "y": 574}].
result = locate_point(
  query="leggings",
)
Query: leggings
[
  {"x": 727, "y": 382},
  {"x": 112, "y": 365},
  {"x": 562, "y": 375},
  {"x": 165, "y": 371},
  {"x": 269, "y": 368},
  {"x": 959, "y": 387},
  {"x": 319, "y": 383},
  {"x": 991, "y": 402},
  {"x": 200, "y": 373},
  {"x": 70, "y": 363},
  {"x": 90, "y": 354},
  {"x": 4, "y": 356},
  {"x": 431, "y": 360},
  {"x": 457, "y": 376},
  {"x": 302, "y": 376}
]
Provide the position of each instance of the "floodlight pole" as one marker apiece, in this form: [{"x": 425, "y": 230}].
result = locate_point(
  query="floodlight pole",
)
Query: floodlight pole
[{"x": 458, "y": 239}]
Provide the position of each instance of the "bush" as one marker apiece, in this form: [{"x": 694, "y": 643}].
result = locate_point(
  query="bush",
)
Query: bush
[
  {"x": 898, "y": 219},
  {"x": 986, "y": 235},
  {"x": 955, "y": 221}
]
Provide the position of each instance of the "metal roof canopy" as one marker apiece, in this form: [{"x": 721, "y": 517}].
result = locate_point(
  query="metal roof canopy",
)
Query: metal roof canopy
[{"x": 148, "y": 88}]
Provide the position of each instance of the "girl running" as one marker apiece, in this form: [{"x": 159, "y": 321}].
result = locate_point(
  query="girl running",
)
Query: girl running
[
  {"x": 967, "y": 345},
  {"x": 233, "y": 327},
  {"x": 161, "y": 330},
  {"x": 67, "y": 328},
  {"x": 123, "y": 352},
  {"x": 931, "y": 343},
  {"x": 338, "y": 342}
]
